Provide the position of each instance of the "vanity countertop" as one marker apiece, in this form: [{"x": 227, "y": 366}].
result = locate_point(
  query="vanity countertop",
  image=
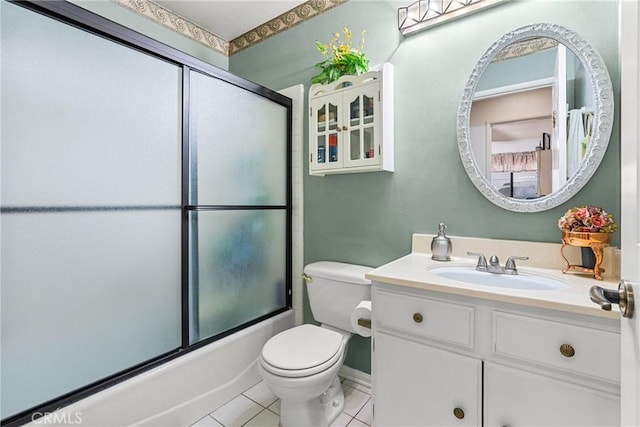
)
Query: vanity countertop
[{"x": 413, "y": 271}]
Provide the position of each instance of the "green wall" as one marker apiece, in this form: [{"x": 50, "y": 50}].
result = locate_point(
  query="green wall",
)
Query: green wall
[
  {"x": 130, "y": 19},
  {"x": 368, "y": 218},
  {"x": 539, "y": 65}
]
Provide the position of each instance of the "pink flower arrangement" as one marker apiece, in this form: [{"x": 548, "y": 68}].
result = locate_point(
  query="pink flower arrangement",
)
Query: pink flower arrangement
[{"x": 587, "y": 219}]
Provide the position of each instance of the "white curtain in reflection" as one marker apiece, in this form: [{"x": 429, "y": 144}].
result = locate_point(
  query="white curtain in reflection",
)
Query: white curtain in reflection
[
  {"x": 575, "y": 138},
  {"x": 518, "y": 161}
]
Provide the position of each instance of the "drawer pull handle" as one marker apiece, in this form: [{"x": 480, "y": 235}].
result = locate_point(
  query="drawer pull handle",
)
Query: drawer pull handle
[
  {"x": 567, "y": 350},
  {"x": 458, "y": 413},
  {"x": 417, "y": 317}
]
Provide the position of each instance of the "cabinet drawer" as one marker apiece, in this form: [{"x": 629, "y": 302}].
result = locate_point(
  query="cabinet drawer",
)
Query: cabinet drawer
[
  {"x": 588, "y": 351},
  {"x": 451, "y": 323}
]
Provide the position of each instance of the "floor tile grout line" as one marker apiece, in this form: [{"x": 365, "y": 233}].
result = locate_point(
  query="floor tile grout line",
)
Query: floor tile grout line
[
  {"x": 258, "y": 403},
  {"x": 249, "y": 420},
  {"x": 365, "y": 402},
  {"x": 362, "y": 409},
  {"x": 217, "y": 420},
  {"x": 344, "y": 383}
]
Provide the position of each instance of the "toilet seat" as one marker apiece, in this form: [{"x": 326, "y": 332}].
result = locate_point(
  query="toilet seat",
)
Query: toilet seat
[{"x": 302, "y": 351}]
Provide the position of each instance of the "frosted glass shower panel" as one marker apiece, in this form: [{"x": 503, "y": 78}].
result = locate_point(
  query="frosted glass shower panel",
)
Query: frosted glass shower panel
[
  {"x": 85, "y": 295},
  {"x": 238, "y": 145},
  {"x": 238, "y": 268},
  {"x": 85, "y": 121},
  {"x": 91, "y": 208}
]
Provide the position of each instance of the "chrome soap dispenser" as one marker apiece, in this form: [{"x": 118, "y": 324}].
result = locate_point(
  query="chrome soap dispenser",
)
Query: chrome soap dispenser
[{"x": 441, "y": 245}]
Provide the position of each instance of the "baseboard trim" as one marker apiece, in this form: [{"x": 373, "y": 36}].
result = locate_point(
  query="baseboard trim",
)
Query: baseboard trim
[{"x": 355, "y": 375}]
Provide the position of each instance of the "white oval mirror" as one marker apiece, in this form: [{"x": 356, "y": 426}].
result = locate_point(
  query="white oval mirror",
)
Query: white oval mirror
[{"x": 535, "y": 118}]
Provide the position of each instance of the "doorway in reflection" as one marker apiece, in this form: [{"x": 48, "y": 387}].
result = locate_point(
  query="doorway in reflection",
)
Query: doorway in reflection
[
  {"x": 517, "y": 141},
  {"x": 530, "y": 118}
]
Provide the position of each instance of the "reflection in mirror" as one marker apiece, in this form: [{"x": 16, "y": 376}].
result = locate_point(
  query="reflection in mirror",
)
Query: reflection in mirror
[
  {"x": 535, "y": 118},
  {"x": 517, "y": 145}
]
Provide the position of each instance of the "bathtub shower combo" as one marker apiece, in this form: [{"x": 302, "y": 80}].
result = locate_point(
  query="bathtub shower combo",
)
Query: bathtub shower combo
[{"x": 146, "y": 210}]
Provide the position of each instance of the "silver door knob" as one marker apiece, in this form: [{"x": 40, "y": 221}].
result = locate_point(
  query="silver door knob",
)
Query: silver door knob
[{"x": 623, "y": 297}]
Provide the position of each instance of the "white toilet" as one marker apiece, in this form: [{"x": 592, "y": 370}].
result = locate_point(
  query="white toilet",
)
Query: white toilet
[{"x": 300, "y": 365}]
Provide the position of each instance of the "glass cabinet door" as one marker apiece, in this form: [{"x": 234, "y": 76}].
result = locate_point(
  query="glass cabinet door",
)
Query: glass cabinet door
[
  {"x": 363, "y": 115},
  {"x": 325, "y": 115}
]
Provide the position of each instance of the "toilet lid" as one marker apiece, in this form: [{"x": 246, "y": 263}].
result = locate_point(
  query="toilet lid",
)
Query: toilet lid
[{"x": 302, "y": 347}]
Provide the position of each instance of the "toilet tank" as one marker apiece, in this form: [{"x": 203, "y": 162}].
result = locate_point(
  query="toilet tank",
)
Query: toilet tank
[{"x": 335, "y": 290}]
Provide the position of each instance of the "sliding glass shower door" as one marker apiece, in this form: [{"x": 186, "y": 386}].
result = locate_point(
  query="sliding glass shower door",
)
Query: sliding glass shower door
[
  {"x": 145, "y": 205},
  {"x": 237, "y": 206},
  {"x": 91, "y": 138}
]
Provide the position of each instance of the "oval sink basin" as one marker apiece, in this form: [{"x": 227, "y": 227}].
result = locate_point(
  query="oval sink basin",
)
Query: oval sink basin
[{"x": 525, "y": 281}]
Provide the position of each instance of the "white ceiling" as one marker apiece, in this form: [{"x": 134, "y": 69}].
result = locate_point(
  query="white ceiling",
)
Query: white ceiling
[
  {"x": 521, "y": 129},
  {"x": 229, "y": 18}
]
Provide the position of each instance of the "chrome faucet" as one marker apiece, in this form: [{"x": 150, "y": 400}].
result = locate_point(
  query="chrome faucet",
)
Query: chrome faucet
[
  {"x": 482, "y": 261},
  {"x": 510, "y": 266},
  {"x": 494, "y": 264}
]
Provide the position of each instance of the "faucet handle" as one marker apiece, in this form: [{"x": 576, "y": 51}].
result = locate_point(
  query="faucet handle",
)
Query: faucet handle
[
  {"x": 510, "y": 266},
  {"x": 482, "y": 261}
]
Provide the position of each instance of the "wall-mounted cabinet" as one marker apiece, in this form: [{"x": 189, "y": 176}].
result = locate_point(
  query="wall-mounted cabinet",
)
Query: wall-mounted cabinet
[{"x": 351, "y": 124}]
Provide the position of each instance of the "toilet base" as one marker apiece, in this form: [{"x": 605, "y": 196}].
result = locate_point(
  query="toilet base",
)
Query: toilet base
[{"x": 318, "y": 412}]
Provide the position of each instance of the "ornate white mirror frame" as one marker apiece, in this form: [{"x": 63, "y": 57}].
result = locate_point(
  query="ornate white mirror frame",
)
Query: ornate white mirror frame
[{"x": 603, "y": 117}]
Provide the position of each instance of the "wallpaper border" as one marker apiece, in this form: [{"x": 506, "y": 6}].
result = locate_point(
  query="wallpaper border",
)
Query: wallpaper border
[{"x": 166, "y": 18}]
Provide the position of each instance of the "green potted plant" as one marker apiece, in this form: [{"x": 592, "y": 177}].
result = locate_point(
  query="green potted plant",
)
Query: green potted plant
[{"x": 341, "y": 60}]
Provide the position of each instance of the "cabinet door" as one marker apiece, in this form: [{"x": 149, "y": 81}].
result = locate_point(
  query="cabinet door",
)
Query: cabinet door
[
  {"x": 326, "y": 132},
  {"x": 518, "y": 398},
  {"x": 361, "y": 131},
  {"x": 418, "y": 385}
]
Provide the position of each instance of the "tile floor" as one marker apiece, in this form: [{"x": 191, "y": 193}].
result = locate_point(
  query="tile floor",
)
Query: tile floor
[{"x": 258, "y": 407}]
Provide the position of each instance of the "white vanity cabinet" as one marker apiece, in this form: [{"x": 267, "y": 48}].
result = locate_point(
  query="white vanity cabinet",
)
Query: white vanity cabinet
[
  {"x": 441, "y": 359},
  {"x": 351, "y": 124},
  {"x": 418, "y": 385}
]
